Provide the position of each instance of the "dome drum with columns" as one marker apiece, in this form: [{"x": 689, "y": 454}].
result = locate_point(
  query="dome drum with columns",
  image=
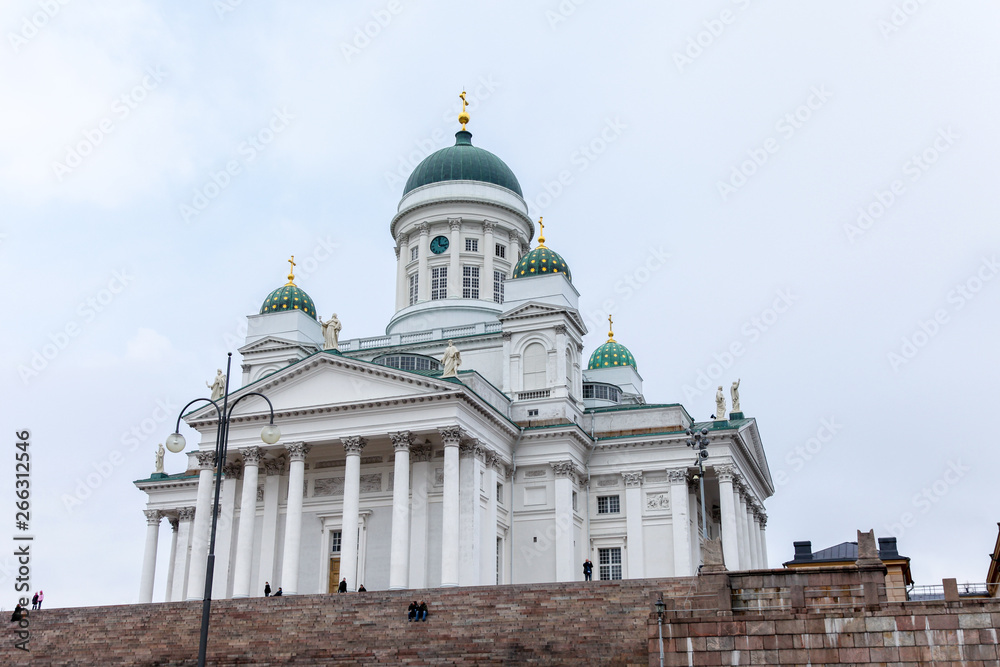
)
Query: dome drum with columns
[{"x": 474, "y": 442}]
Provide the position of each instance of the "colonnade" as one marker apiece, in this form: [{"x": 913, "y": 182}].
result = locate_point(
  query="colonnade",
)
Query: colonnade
[{"x": 468, "y": 540}]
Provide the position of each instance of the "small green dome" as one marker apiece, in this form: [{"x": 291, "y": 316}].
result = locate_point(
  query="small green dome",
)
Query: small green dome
[
  {"x": 288, "y": 297},
  {"x": 610, "y": 354},
  {"x": 462, "y": 162},
  {"x": 541, "y": 261}
]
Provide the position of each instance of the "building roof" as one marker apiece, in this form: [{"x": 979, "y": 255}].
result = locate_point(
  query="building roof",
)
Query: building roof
[{"x": 462, "y": 162}]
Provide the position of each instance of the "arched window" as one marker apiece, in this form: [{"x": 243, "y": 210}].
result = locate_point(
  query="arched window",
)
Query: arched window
[
  {"x": 569, "y": 369},
  {"x": 534, "y": 367}
]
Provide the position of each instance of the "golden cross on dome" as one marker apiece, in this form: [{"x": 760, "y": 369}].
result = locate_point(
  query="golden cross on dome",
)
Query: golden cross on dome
[
  {"x": 541, "y": 234},
  {"x": 611, "y": 330},
  {"x": 463, "y": 117},
  {"x": 291, "y": 270}
]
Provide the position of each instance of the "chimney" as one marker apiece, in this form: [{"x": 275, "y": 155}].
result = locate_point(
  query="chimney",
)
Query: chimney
[
  {"x": 803, "y": 551},
  {"x": 887, "y": 548}
]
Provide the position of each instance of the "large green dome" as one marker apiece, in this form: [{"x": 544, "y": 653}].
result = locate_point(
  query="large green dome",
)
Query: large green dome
[
  {"x": 463, "y": 162},
  {"x": 288, "y": 297},
  {"x": 541, "y": 261}
]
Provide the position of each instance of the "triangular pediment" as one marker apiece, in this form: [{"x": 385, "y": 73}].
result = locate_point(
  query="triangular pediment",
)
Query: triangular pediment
[
  {"x": 325, "y": 379},
  {"x": 535, "y": 309},
  {"x": 274, "y": 344}
]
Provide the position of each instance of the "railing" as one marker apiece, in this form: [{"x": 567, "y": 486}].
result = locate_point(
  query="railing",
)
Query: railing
[
  {"x": 416, "y": 337},
  {"x": 459, "y": 331},
  {"x": 378, "y": 341},
  {"x": 538, "y": 393},
  {"x": 493, "y": 327},
  {"x": 937, "y": 592}
]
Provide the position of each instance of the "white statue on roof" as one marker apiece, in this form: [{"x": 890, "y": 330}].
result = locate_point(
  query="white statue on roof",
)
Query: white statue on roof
[
  {"x": 735, "y": 392},
  {"x": 331, "y": 333},
  {"x": 720, "y": 404},
  {"x": 451, "y": 360}
]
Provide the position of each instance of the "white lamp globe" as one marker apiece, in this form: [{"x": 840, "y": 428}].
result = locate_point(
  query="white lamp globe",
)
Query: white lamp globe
[
  {"x": 270, "y": 434},
  {"x": 175, "y": 442}
]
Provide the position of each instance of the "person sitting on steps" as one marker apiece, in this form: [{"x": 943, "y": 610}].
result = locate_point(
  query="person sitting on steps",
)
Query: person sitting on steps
[
  {"x": 422, "y": 611},
  {"x": 411, "y": 611}
]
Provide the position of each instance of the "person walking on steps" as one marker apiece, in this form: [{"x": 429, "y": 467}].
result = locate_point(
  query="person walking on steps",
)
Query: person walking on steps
[
  {"x": 588, "y": 570},
  {"x": 267, "y": 589},
  {"x": 343, "y": 586}
]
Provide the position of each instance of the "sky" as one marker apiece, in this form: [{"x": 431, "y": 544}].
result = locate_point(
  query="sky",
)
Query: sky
[{"x": 798, "y": 195}]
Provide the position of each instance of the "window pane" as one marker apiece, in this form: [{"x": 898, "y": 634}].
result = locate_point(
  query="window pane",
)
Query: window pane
[
  {"x": 498, "y": 278},
  {"x": 413, "y": 287},
  {"x": 472, "y": 245},
  {"x": 501, "y": 251},
  {"x": 470, "y": 282},
  {"x": 439, "y": 283}
]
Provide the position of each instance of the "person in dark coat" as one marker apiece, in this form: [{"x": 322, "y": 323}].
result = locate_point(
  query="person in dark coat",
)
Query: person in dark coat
[
  {"x": 411, "y": 611},
  {"x": 343, "y": 586},
  {"x": 362, "y": 589},
  {"x": 277, "y": 593},
  {"x": 422, "y": 611},
  {"x": 267, "y": 589},
  {"x": 588, "y": 570},
  {"x": 18, "y": 613},
  {"x": 34, "y": 601}
]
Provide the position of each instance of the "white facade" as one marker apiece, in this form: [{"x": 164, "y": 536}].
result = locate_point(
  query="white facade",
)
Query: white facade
[{"x": 516, "y": 471}]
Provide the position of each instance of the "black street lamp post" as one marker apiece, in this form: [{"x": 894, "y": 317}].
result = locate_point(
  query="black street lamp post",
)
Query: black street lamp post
[
  {"x": 175, "y": 443},
  {"x": 699, "y": 441}
]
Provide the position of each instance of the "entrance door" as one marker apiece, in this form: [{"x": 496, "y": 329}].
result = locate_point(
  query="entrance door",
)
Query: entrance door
[{"x": 334, "y": 575}]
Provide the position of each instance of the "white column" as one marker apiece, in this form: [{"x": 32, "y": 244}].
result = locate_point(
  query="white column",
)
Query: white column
[
  {"x": 231, "y": 474},
  {"x": 248, "y": 520},
  {"x": 399, "y": 561},
  {"x": 488, "y": 253},
  {"x": 743, "y": 526},
  {"x": 507, "y": 361},
  {"x": 740, "y": 509},
  {"x": 450, "y": 508},
  {"x": 202, "y": 526},
  {"x": 680, "y": 517},
  {"x": 561, "y": 358},
  {"x": 488, "y": 547},
  {"x": 173, "y": 557},
  {"x": 763, "y": 538},
  {"x": 565, "y": 473},
  {"x": 755, "y": 558},
  {"x": 185, "y": 515},
  {"x": 352, "y": 501},
  {"x": 402, "y": 257},
  {"x": 149, "y": 555},
  {"x": 293, "y": 517},
  {"x": 419, "y": 522},
  {"x": 454, "y": 266},
  {"x": 470, "y": 513},
  {"x": 273, "y": 469},
  {"x": 424, "y": 277},
  {"x": 727, "y": 508},
  {"x": 633, "y": 524}
]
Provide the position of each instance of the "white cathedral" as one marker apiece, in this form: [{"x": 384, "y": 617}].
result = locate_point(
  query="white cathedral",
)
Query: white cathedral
[{"x": 395, "y": 472}]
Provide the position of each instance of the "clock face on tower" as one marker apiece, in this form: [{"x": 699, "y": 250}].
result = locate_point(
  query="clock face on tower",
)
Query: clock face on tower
[{"x": 439, "y": 244}]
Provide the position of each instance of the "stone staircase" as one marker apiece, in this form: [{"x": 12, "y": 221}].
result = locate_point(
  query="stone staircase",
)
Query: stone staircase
[{"x": 583, "y": 623}]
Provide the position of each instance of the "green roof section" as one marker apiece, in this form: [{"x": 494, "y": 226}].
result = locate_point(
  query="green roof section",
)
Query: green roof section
[
  {"x": 288, "y": 297},
  {"x": 611, "y": 354},
  {"x": 463, "y": 162},
  {"x": 541, "y": 261}
]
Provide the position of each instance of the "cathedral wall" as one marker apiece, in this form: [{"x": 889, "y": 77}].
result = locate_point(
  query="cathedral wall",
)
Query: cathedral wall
[
  {"x": 534, "y": 550},
  {"x": 658, "y": 548},
  {"x": 379, "y": 538},
  {"x": 434, "y": 538},
  {"x": 311, "y": 561}
]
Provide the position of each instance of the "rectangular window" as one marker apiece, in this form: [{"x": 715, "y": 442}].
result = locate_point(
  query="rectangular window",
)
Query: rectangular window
[
  {"x": 501, "y": 251},
  {"x": 414, "y": 283},
  {"x": 608, "y": 505},
  {"x": 610, "y": 562},
  {"x": 574, "y": 501},
  {"x": 471, "y": 245},
  {"x": 499, "y": 494},
  {"x": 470, "y": 282},
  {"x": 414, "y": 253},
  {"x": 498, "y": 278},
  {"x": 439, "y": 283},
  {"x": 335, "y": 542}
]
